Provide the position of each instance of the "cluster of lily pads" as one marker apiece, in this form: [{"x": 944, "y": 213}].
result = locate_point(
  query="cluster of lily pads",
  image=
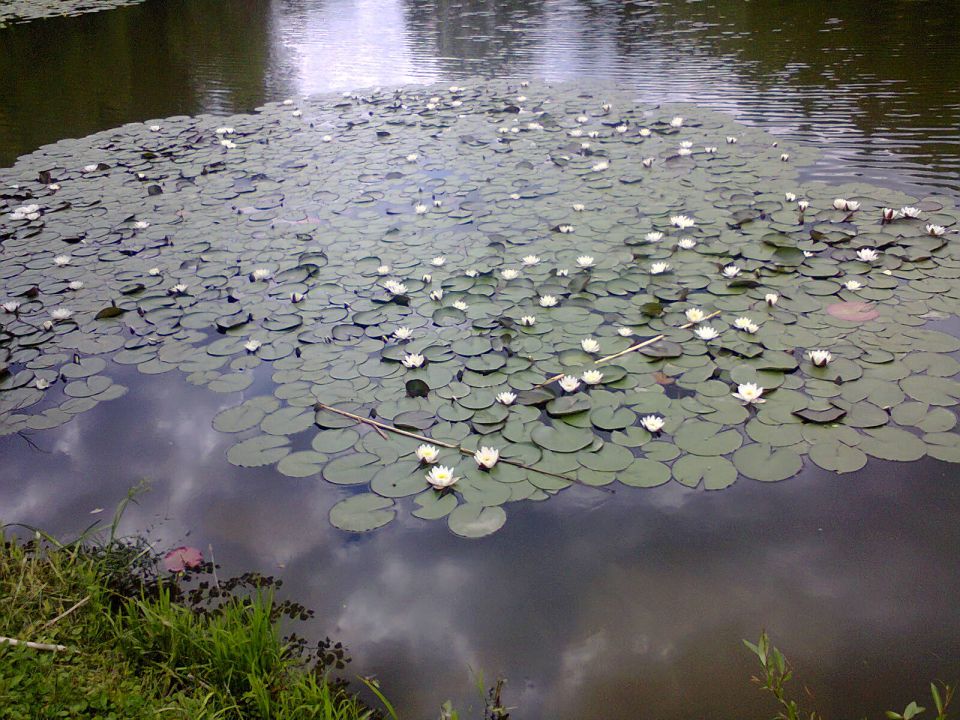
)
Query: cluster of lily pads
[
  {"x": 546, "y": 285},
  {"x": 17, "y": 11}
]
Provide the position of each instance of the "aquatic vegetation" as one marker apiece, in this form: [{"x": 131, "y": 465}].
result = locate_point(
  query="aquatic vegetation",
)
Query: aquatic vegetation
[
  {"x": 424, "y": 322},
  {"x": 25, "y": 10}
]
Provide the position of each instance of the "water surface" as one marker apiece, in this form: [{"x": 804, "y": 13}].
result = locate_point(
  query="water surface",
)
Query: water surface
[{"x": 594, "y": 606}]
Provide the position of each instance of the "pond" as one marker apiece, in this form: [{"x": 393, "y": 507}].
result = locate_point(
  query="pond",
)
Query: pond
[{"x": 607, "y": 598}]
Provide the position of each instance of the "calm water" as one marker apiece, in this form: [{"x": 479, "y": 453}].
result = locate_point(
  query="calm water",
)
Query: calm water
[{"x": 594, "y": 606}]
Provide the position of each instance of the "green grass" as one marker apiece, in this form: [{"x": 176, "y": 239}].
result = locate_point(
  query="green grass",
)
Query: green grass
[{"x": 141, "y": 644}]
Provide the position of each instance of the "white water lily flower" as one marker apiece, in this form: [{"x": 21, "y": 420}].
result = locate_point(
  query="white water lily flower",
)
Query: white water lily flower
[
  {"x": 288, "y": 101},
  {"x": 624, "y": 331},
  {"x": 578, "y": 207},
  {"x": 803, "y": 205},
  {"x": 441, "y": 477},
  {"x": 653, "y": 236},
  {"x": 228, "y": 143},
  {"x": 420, "y": 209},
  {"x": 47, "y": 325},
  {"x": 820, "y": 358},
  {"x": 437, "y": 203},
  {"x": 90, "y": 168},
  {"x": 590, "y": 345},
  {"x": 153, "y": 271},
  {"x": 506, "y": 398},
  {"x": 297, "y": 113},
  {"x": 252, "y": 345},
  {"x": 141, "y": 225},
  {"x": 746, "y": 324},
  {"x": 566, "y": 229},
  {"x": 771, "y": 298},
  {"x": 840, "y": 204},
  {"x": 852, "y": 206},
  {"x": 41, "y": 384},
  {"x": 438, "y": 261},
  {"x": 569, "y": 383},
  {"x": 686, "y": 243},
  {"x": 436, "y": 295},
  {"x": 53, "y": 186},
  {"x": 383, "y": 270},
  {"x": 867, "y": 254},
  {"x": 534, "y": 126},
  {"x": 460, "y": 305},
  {"x": 530, "y": 259},
  {"x": 395, "y": 288},
  {"x": 178, "y": 289},
  {"x": 471, "y": 273},
  {"x": 682, "y": 221},
  {"x": 644, "y": 132},
  {"x": 652, "y": 423},
  {"x": 486, "y": 457},
  {"x": 548, "y": 301},
  {"x": 412, "y": 360},
  {"x": 659, "y": 267},
  {"x": 621, "y": 129},
  {"x": 585, "y": 261},
  {"x": 676, "y": 122},
  {"x": 562, "y": 272},
  {"x": 888, "y": 214},
  {"x": 592, "y": 377},
  {"x": 509, "y": 274},
  {"x": 784, "y": 157},
  {"x": 706, "y": 332},
  {"x": 576, "y": 132},
  {"x": 600, "y": 166},
  {"x": 514, "y": 196},
  {"x": 528, "y": 320},
  {"x": 731, "y": 140},
  {"x": 428, "y": 454},
  {"x": 808, "y": 253},
  {"x": 75, "y": 285},
  {"x": 224, "y": 130},
  {"x": 910, "y": 212},
  {"x": 731, "y": 271},
  {"x": 790, "y": 197},
  {"x": 695, "y": 315},
  {"x": 327, "y": 138},
  {"x": 853, "y": 285},
  {"x": 936, "y": 230},
  {"x": 403, "y": 333},
  {"x": 647, "y": 162},
  {"x": 684, "y": 151},
  {"x": 61, "y": 260},
  {"x": 582, "y": 119},
  {"x": 710, "y": 149},
  {"x": 749, "y": 394},
  {"x": 296, "y": 297},
  {"x": 261, "y": 274},
  {"x": 686, "y": 144},
  {"x": 426, "y": 277},
  {"x": 59, "y": 314},
  {"x": 11, "y": 306}
]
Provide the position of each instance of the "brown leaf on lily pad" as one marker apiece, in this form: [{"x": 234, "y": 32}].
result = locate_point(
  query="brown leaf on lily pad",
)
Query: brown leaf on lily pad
[{"x": 853, "y": 311}]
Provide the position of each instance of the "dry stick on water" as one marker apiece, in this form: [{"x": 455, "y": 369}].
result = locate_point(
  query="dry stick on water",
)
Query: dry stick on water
[
  {"x": 630, "y": 349},
  {"x": 32, "y": 645},
  {"x": 450, "y": 446}
]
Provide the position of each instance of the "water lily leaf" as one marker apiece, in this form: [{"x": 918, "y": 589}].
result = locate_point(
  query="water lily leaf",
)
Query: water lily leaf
[
  {"x": 362, "y": 513},
  {"x": 258, "y": 451},
  {"x": 714, "y": 471},
  {"x": 760, "y": 461},
  {"x": 475, "y": 521},
  {"x": 829, "y": 415},
  {"x": 568, "y": 405},
  {"x": 645, "y": 473},
  {"x": 561, "y": 438},
  {"x": 302, "y": 464},
  {"x": 353, "y": 469},
  {"x": 837, "y": 457},
  {"x": 890, "y": 443},
  {"x": 433, "y": 505}
]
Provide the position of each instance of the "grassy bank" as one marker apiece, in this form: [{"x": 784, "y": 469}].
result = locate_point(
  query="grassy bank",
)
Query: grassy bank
[{"x": 113, "y": 635}]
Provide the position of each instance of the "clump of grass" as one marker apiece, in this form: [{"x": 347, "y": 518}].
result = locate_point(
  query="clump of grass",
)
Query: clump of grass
[{"x": 139, "y": 643}]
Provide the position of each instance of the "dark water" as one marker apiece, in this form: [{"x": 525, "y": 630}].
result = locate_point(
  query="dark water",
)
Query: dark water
[{"x": 594, "y": 606}]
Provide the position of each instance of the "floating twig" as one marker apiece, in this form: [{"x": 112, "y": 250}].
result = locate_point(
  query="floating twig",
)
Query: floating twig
[
  {"x": 62, "y": 615},
  {"x": 645, "y": 343},
  {"x": 450, "y": 446}
]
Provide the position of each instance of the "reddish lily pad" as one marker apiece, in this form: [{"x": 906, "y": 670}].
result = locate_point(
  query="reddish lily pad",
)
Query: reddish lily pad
[
  {"x": 853, "y": 311},
  {"x": 182, "y": 558}
]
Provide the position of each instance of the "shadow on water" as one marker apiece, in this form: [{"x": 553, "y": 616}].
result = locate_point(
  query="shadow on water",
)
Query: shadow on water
[{"x": 593, "y": 606}]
